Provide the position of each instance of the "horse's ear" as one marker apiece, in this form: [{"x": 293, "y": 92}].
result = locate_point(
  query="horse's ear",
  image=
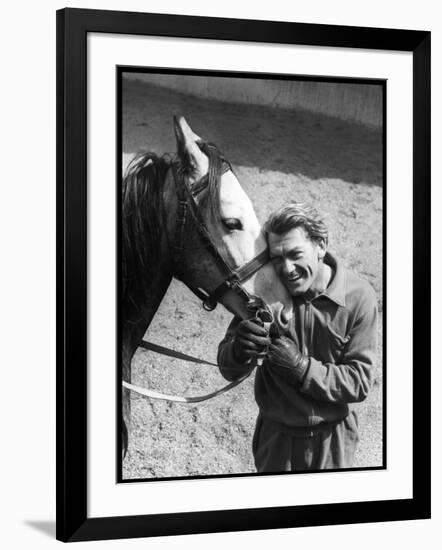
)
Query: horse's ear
[
  {"x": 187, "y": 147},
  {"x": 183, "y": 132}
]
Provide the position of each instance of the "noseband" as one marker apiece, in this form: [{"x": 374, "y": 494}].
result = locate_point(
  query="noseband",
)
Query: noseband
[{"x": 187, "y": 205}]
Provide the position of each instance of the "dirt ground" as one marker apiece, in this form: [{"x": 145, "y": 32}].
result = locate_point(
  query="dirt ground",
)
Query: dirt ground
[{"x": 278, "y": 156}]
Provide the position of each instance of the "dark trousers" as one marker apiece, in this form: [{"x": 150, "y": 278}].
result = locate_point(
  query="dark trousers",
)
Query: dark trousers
[{"x": 279, "y": 448}]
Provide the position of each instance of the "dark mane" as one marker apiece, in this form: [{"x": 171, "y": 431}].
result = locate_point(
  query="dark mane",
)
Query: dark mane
[
  {"x": 142, "y": 218},
  {"x": 141, "y": 224}
]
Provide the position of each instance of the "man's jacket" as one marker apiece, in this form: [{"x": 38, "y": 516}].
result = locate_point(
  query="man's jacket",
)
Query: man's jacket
[{"x": 337, "y": 330}]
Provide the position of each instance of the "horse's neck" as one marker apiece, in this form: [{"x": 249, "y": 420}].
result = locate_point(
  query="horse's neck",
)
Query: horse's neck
[{"x": 141, "y": 315}]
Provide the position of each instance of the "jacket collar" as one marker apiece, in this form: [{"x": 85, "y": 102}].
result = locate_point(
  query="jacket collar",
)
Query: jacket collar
[{"x": 336, "y": 289}]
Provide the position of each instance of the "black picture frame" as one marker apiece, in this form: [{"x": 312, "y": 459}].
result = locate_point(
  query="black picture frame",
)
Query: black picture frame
[{"x": 73, "y": 523}]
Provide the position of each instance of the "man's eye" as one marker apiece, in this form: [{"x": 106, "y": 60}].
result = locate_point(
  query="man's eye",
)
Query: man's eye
[{"x": 232, "y": 223}]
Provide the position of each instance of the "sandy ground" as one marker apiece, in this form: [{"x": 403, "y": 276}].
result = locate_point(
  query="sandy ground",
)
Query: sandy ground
[{"x": 278, "y": 156}]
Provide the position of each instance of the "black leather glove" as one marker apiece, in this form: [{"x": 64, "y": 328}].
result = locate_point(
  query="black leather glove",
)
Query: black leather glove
[
  {"x": 251, "y": 340},
  {"x": 284, "y": 353}
]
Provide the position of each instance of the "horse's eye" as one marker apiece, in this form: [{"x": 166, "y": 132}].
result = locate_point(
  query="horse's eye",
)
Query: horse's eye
[{"x": 232, "y": 224}]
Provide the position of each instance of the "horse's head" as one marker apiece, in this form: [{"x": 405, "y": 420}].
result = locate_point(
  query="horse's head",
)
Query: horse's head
[{"x": 215, "y": 232}]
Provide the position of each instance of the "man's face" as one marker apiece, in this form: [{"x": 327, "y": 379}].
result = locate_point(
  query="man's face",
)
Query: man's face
[{"x": 296, "y": 259}]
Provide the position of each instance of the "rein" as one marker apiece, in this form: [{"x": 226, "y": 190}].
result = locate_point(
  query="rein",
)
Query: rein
[
  {"x": 184, "y": 398},
  {"x": 233, "y": 281}
]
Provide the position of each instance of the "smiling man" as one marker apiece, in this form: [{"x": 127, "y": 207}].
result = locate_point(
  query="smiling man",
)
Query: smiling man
[{"x": 313, "y": 374}]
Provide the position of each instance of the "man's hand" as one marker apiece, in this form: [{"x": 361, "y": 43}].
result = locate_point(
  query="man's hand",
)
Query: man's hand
[
  {"x": 251, "y": 340},
  {"x": 283, "y": 352}
]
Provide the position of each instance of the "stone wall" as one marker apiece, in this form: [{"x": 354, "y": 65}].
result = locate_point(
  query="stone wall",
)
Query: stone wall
[{"x": 357, "y": 102}]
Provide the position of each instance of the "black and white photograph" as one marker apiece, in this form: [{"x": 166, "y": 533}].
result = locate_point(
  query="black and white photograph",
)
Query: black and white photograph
[
  {"x": 220, "y": 265},
  {"x": 242, "y": 275},
  {"x": 251, "y": 269}
]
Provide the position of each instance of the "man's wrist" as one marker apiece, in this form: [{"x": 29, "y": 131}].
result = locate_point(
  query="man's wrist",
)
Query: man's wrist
[{"x": 301, "y": 366}]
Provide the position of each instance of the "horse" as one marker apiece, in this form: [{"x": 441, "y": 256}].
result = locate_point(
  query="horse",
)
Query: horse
[{"x": 187, "y": 216}]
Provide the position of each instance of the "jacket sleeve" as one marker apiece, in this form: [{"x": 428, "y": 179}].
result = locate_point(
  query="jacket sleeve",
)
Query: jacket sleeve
[
  {"x": 228, "y": 365},
  {"x": 350, "y": 380}
]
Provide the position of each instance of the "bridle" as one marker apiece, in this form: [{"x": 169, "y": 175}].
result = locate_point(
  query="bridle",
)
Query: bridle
[
  {"x": 188, "y": 208},
  {"x": 234, "y": 277}
]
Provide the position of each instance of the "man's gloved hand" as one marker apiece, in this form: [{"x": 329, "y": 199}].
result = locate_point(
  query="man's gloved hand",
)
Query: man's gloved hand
[
  {"x": 283, "y": 352},
  {"x": 251, "y": 339}
]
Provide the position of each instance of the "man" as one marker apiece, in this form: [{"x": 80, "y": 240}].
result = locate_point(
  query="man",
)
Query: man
[{"x": 323, "y": 364}]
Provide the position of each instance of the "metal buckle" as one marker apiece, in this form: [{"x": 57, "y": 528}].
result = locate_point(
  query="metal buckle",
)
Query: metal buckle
[
  {"x": 264, "y": 315},
  {"x": 233, "y": 282},
  {"x": 209, "y": 305},
  {"x": 182, "y": 211}
]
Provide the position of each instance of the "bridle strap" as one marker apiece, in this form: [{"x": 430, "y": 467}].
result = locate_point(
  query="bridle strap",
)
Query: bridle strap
[
  {"x": 202, "y": 184},
  {"x": 240, "y": 275},
  {"x": 150, "y": 346},
  {"x": 186, "y": 204},
  {"x": 146, "y": 392},
  {"x": 184, "y": 398},
  {"x": 254, "y": 265}
]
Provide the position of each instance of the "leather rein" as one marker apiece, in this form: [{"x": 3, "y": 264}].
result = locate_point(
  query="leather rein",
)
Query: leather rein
[{"x": 188, "y": 209}]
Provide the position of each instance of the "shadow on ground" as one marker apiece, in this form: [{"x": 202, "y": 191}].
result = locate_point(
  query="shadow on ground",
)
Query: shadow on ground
[
  {"x": 46, "y": 527},
  {"x": 294, "y": 142}
]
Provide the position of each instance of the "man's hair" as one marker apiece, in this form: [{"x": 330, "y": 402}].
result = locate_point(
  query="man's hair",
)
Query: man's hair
[{"x": 297, "y": 214}]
